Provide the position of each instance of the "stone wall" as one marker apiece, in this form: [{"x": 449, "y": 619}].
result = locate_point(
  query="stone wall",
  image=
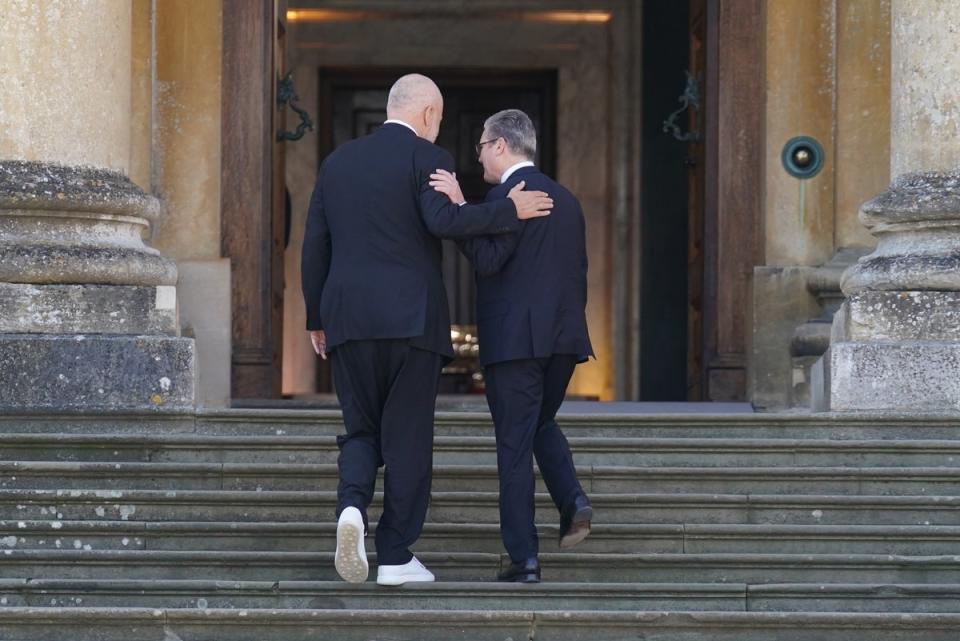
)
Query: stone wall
[{"x": 828, "y": 76}]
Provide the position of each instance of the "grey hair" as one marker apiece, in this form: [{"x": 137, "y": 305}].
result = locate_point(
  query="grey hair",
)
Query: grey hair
[{"x": 516, "y": 128}]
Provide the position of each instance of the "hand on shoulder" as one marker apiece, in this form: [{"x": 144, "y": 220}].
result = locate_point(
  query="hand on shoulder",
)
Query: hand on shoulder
[{"x": 530, "y": 204}]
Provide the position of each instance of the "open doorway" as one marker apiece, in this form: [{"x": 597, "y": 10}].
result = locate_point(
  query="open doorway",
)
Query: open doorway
[{"x": 669, "y": 303}]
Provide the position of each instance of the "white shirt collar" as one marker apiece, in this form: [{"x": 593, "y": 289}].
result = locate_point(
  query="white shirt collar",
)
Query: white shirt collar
[
  {"x": 400, "y": 122},
  {"x": 513, "y": 168}
]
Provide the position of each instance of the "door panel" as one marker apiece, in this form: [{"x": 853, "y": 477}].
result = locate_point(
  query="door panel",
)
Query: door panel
[
  {"x": 251, "y": 209},
  {"x": 696, "y": 166}
]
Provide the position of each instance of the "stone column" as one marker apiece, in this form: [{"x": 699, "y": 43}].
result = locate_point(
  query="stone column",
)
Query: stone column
[
  {"x": 896, "y": 340},
  {"x": 88, "y": 314}
]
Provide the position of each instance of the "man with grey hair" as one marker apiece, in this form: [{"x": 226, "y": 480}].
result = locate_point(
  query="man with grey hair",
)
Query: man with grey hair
[
  {"x": 532, "y": 327},
  {"x": 376, "y": 304}
]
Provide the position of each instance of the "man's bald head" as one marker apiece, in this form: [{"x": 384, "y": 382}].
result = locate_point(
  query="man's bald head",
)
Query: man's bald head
[
  {"x": 416, "y": 100},
  {"x": 411, "y": 92}
]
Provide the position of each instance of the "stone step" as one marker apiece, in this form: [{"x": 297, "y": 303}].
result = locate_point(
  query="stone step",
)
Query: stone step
[
  {"x": 568, "y": 566},
  {"x": 453, "y": 537},
  {"x": 270, "y": 422},
  {"x": 489, "y": 595},
  {"x": 864, "y": 425},
  {"x": 482, "y": 507},
  {"x": 930, "y": 481},
  {"x": 477, "y": 507},
  {"x": 481, "y": 450},
  {"x": 166, "y": 624}
]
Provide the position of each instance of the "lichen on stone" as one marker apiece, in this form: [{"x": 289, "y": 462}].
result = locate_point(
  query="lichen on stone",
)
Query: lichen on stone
[{"x": 43, "y": 185}]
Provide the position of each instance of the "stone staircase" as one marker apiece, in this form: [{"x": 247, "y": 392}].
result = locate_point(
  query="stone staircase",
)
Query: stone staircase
[{"x": 218, "y": 526}]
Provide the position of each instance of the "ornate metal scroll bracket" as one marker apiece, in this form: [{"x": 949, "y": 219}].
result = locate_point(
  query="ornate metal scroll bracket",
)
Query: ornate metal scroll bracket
[
  {"x": 689, "y": 100},
  {"x": 287, "y": 95}
]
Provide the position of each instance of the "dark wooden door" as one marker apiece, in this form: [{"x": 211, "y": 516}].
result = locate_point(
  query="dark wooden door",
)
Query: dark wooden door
[
  {"x": 251, "y": 189},
  {"x": 278, "y": 193},
  {"x": 674, "y": 269},
  {"x": 733, "y": 223},
  {"x": 696, "y": 205}
]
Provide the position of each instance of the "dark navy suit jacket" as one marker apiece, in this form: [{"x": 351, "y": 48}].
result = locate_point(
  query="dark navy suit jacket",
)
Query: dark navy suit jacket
[
  {"x": 532, "y": 283},
  {"x": 371, "y": 261}
]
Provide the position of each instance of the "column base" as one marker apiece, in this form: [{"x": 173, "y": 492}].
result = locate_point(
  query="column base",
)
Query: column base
[
  {"x": 892, "y": 350},
  {"x": 96, "y": 372},
  {"x": 88, "y": 309},
  {"x": 907, "y": 376}
]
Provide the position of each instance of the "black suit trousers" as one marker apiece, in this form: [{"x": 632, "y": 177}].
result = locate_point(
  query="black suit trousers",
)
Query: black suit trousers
[
  {"x": 524, "y": 396},
  {"x": 388, "y": 391}
]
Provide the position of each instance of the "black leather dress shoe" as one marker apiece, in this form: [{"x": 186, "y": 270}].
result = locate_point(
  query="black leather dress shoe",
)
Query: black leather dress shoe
[
  {"x": 525, "y": 572},
  {"x": 575, "y": 521}
]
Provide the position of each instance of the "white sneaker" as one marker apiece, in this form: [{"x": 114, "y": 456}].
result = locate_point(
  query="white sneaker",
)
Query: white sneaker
[
  {"x": 351, "y": 559},
  {"x": 410, "y": 572}
]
